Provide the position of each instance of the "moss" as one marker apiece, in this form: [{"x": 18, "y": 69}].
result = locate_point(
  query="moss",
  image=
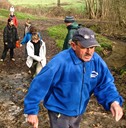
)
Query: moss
[{"x": 123, "y": 70}]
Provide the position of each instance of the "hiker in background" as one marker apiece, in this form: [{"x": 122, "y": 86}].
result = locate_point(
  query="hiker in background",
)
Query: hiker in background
[
  {"x": 12, "y": 15},
  {"x": 10, "y": 36},
  {"x": 72, "y": 26},
  {"x": 27, "y": 26},
  {"x": 36, "y": 51},
  {"x": 28, "y": 36},
  {"x": 66, "y": 83}
]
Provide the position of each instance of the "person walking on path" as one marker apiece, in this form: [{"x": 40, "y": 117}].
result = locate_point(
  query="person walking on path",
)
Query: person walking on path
[
  {"x": 27, "y": 26},
  {"x": 28, "y": 37},
  {"x": 10, "y": 36},
  {"x": 36, "y": 50},
  {"x": 67, "y": 82},
  {"x": 72, "y": 26},
  {"x": 13, "y": 16}
]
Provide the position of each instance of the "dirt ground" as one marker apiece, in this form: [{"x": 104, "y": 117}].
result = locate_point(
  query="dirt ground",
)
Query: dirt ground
[{"x": 14, "y": 83}]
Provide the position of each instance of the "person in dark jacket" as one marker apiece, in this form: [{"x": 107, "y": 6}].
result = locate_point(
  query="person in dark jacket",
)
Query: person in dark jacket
[
  {"x": 10, "y": 36},
  {"x": 67, "y": 82},
  {"x": 72, "y": 26}
]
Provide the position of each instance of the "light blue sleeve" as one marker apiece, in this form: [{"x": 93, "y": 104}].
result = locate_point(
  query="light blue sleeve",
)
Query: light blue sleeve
[{"x": 26, "y": 38}]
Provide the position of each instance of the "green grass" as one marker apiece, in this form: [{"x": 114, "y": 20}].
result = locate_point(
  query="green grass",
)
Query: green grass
[
  {"x": 2, "y": 25},
  {"x": 5, "y": 14},
  {"x": 76, "y": 4},
  {"x": 43, "y": 2},
  {"x": 58, "y": 33},
  {"x": 78, "y": 7},
  {"x": 105, "y": 43}
]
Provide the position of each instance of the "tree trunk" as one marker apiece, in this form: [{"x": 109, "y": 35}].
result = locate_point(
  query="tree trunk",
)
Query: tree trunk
[{"x": 58, "y": 3}]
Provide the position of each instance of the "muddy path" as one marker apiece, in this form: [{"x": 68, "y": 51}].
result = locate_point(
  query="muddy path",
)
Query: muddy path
[{"x": 14, "y": 83}]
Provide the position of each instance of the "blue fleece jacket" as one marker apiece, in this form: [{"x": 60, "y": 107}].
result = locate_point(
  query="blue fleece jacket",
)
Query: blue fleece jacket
[{"x": 66, "y": 83}]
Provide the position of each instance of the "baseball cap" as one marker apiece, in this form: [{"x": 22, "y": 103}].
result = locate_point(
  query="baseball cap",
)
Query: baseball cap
[{"x": 86, "y": 37}]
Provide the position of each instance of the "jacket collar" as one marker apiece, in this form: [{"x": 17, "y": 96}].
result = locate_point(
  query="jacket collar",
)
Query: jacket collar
[{"x": 75, "y": 59}]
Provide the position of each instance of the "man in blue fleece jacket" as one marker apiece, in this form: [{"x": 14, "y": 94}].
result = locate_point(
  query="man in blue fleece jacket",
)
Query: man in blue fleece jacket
[{"x": 67, "y": 82}]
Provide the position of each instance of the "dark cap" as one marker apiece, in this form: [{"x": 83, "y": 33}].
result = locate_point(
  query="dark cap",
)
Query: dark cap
[
  {"x": 86, "y": 37},
  {"x": 69, "y": 19}
]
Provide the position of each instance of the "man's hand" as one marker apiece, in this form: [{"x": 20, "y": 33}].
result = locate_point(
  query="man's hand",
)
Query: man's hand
[
  {"x": 6, "y": 43},
  {"x": 33, "y": 119},
  {"x": 116, "y": 110},
  {"x": 20, "y": 45}
]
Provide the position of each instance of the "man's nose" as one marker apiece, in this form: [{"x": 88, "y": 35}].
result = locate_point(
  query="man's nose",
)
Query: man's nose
[{"x": 87, "y": 49}]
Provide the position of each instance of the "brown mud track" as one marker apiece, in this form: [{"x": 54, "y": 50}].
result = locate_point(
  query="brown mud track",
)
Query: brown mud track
[{"x": 14, "y": 83}]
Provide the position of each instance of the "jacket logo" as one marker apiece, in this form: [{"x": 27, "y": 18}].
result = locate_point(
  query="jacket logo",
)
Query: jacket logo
[{"x": 94, "y": 74}]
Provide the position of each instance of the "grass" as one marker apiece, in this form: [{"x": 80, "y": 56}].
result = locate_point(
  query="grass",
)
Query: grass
[
  {"x": 2, "y": 25},
  {"x": 43, "y": 2},
  {"x": 66, "y": 4},
  {"x": 59, "y": 32},
  {"x": 5, "y": 14}
]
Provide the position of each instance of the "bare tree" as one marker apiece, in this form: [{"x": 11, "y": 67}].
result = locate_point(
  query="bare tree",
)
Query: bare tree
[
  {"x": 107, "y": 9},
  {"x": 90, "y": 7}
]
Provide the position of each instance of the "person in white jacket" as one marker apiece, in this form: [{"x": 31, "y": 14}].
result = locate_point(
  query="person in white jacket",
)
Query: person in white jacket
[{"x": 36, "y": 51}]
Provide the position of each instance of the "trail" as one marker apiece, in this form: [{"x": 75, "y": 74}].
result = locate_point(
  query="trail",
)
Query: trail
[{"x": 15, "y": 80}]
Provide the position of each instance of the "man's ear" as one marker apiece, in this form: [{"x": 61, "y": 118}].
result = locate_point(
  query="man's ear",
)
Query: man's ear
[{"x": 73, "y": 45}]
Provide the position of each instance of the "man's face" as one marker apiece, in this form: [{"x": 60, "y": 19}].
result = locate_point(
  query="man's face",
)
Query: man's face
[
  {"x": 67, "y": 24},
  {"x": 84, "y": 54}
]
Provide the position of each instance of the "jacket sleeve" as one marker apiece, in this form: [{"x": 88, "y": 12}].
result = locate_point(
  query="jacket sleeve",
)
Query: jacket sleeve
[
  {"x": 38, "y": 89},
  {"x": 43, "y": 53},
  {"x": 5, "y": 35},
  {"x": 70, "y": 35},
  {"x": 106, "y": 91},
  {"x": 16, "y": 34},
  {"x": 16, "y": 22},
  {"x": 25, "y": 39}
]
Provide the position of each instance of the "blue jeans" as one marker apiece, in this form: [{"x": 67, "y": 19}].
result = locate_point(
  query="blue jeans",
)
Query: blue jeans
[{"x": 58, "y": 120}]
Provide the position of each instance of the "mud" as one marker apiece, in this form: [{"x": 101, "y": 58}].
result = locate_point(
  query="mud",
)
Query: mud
[{"x": 14, "y": 83}]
